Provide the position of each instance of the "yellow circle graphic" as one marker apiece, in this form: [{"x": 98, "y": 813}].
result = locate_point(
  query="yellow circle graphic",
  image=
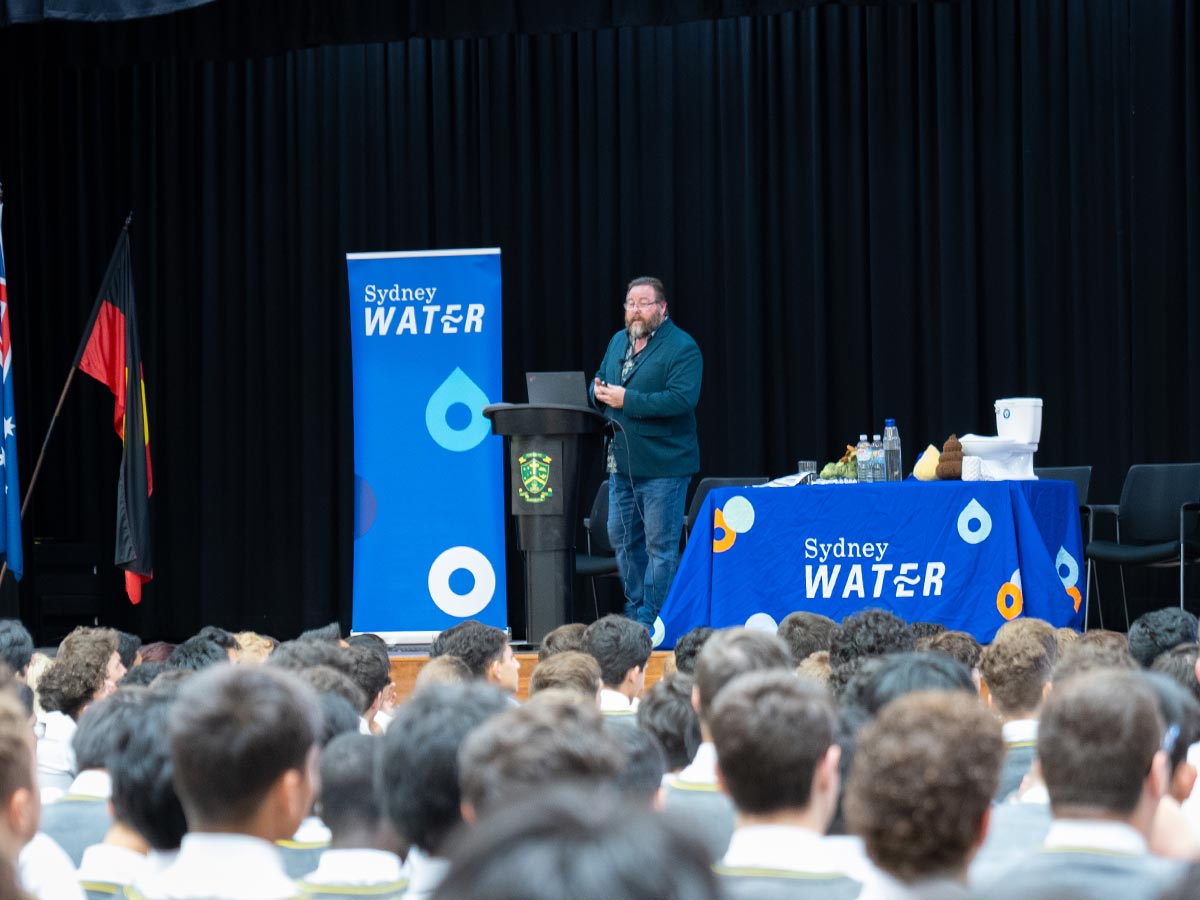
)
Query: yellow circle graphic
[{"x": 728, "y": 535}]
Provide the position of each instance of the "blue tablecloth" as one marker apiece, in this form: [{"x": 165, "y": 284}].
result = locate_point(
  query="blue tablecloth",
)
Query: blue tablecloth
[{"x": 970, "y": 555}]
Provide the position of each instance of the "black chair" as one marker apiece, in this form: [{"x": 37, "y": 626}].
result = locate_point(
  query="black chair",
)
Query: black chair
[
  {"x": 1156, "y": 523},
  {"x": 708, "y": 484},
  {"x": 600, "y": 559},
  {"x": 1081, "y": 475}
]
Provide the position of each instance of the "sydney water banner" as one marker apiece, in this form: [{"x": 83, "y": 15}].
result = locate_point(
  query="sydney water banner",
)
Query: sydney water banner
[{"x": 429, "y": 474}]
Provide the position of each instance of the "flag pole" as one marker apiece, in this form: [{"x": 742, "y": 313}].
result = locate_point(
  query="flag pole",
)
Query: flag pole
[{"x": 62, "y": 398}]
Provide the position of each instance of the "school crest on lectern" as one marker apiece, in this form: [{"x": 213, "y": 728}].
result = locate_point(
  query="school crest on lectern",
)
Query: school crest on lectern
[{"x": 535, "y": 477}]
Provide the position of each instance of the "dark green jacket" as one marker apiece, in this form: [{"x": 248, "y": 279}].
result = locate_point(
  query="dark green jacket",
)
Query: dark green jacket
[{"x": 657, "y": 437}]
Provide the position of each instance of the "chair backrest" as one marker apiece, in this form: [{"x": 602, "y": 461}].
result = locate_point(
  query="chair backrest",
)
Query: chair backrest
[
  {"x": 1081, "y": 475},
  {"x": 1150, "y": 501},
  {"x": 598, "y": 529},
  {"x": 708, "y": 484}
]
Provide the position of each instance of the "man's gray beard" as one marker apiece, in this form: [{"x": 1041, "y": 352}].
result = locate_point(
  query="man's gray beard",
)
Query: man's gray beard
[{"x": 637, "y": 330}]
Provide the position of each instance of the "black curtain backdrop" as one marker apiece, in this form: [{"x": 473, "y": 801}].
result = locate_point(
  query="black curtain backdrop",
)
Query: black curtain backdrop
[{"x": 891, "y": 209}]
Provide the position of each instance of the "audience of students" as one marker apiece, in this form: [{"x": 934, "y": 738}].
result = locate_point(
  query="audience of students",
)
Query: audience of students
[{"x": 1037, "y": 765}]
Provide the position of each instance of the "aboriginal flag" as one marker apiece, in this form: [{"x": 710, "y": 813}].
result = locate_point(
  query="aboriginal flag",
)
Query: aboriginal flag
[{"x": 110, "y": 353}]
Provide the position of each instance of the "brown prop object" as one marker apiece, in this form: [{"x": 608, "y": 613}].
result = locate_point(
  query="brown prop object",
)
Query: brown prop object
[{"x": 950, "y": 460}]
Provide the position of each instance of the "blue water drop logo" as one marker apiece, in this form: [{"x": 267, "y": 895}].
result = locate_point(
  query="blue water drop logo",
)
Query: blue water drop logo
[
  {"x": 974, "y": 523},
  {"x": 457, "y": 390}
]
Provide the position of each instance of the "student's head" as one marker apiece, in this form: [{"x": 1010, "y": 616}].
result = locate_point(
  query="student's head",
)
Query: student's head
[
  {"x": 666, "y": 711},
  {"x": 487, "y": 653},
  {"x": 1090, "y": 656},
  {"x": 369, "y": 639},
  {"x": 370, "y": 671},
  {"x": 226, "y": 640},
  {"x": 20, "y": 804},
  {"x": 923, "y": 631},
  {"x": 1105, "y": 638},
  {"x": 254, "y": 647},
  {"x": 775, "y": 751},
  {"x": 622, "y": 647},
  {"x": 87, "y": 668},
  {"x": 1179, "y": 664},
  {"x": 570, "y": 670},
  {"x": 1098, "y": 745},
  {"x": 142, "y": 675},
  {"x": 688, "y": 648},
  {"x": 143, "y": 788},
  {"x": 525, "y": 748},
  {"x": 300, "y": 654},
  {"x": 730, "y": 653},
  {"x": 158, "y": 651},
  {"x": 418, "y": 770},
  {"x": 243, "y": 743},
  {"x": 331, "y": 634},
  {"x": 959, "y": 644},
  {"x": 1017, "y": 666},
  {"x": 350, "y": 806},
  {"x": 816, "y": 666},
  {"x": 806, "y": 633},
  {"x": 1180, "y": 713},
  {"x": 442, "y": 670},
  {"x": 338, "y": 716},
  {"x": 438, "y": 647},
  {"x": 105, "y": 727},
  {"x": 1065, "y": 637},
  {"x": 168, "y": 682},
  {"x": 906, "y": 673},
  {"x": 16, "y": 646},
  {"x": 924, "y": 773},
  {"x": 871, "y": 633},
  {"x": 328, "y": 680},
  {"x": 1157, "y": 631},
  {"x": 582, "y": 843},
  {"x": 643, "y": 765},
  {"x": 197, "y": 653},
  {"x": 561, "y": 639},
  {"x": 129, "y": 649}
]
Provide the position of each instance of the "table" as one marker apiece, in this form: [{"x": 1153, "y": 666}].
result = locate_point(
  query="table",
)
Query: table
[{"x": 970, "y": 555}]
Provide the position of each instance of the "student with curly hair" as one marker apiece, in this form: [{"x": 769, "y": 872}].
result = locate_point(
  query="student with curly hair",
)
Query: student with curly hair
[
  {"x": 86, "y": 668},
  {"x": 920, "y": 790}
]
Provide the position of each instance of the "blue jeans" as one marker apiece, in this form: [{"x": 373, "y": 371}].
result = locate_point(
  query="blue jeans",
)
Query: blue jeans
[{"x": 645, "y": 521}]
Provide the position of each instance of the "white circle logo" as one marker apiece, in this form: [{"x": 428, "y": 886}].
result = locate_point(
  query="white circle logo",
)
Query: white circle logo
[
  {"x": 449, "y": 562},
  {"x": 657, "y": 633},
  {"x": 739, "y": 514},
  {"x": 760, "y": 621}
]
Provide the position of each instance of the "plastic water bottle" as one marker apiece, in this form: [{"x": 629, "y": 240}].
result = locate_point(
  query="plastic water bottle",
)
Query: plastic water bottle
[
  {"x": 891, "y": 450},
  {"x": 878, "y": 473},
  {"x": 862, "y": 452}
]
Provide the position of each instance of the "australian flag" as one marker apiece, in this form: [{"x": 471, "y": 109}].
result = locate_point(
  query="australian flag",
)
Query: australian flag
[{"x": 10, "y": 517}]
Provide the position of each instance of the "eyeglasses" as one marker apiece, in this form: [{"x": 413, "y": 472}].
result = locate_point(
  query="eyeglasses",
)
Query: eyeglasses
[{"x": 641, "y": 304}]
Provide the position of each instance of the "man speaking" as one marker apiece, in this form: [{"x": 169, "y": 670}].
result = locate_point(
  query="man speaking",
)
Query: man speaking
[{"x": 648, "y": 384}]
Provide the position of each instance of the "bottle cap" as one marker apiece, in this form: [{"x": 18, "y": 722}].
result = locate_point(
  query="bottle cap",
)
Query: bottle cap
[
  {"x": 875, "y": 437},
  {"x": 862, "y": 437},
  {"x": 889, "y": 423}
]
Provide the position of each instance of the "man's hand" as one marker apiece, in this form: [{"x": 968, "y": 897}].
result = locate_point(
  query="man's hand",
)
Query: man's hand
[{"x": 609, "y": 394}]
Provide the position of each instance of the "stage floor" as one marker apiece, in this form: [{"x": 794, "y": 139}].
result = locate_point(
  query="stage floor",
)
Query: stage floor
[{"x": 405, "y": 668}]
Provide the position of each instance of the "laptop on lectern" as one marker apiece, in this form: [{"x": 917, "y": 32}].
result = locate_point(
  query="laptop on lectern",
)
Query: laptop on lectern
[{"x": 557, "y": 388}]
